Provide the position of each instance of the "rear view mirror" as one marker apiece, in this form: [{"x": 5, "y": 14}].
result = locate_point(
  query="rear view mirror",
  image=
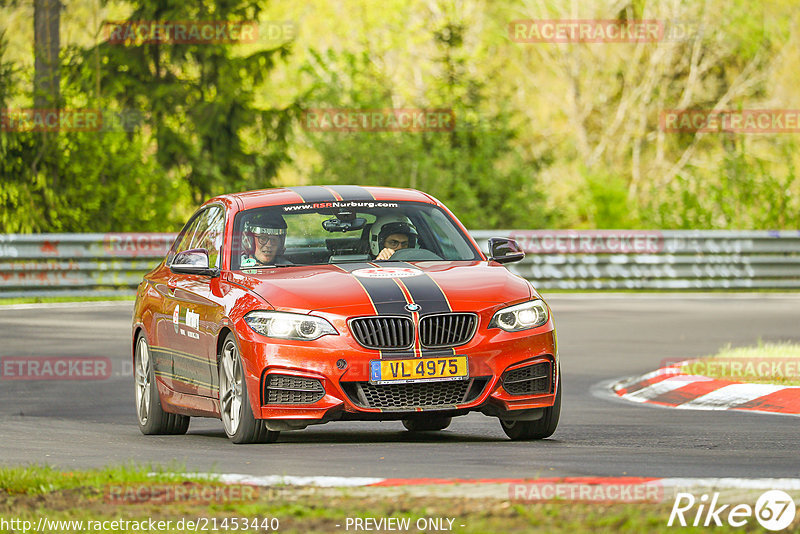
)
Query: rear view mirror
[
  {"x": 338, "y": 225},
  {"x": 504, "y": 250}
]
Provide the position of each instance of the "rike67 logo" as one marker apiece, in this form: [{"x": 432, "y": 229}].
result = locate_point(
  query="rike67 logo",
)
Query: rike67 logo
[{"x": 774, "y": 510}]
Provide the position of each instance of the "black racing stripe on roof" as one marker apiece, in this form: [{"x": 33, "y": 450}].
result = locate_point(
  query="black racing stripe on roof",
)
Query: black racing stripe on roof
[
  {"x": 352, "y": 192},
  {"x": 350, "y": 267},
  {"x": 314, "y": 193}
]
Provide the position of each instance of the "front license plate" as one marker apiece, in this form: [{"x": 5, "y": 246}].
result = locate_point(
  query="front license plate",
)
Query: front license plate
[{"x": 418, "y": 370}]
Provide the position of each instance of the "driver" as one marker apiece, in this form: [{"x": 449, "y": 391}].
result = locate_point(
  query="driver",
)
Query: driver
[
  {"x": 264, "y": 241},
  {"x": 389, "y": 234}
]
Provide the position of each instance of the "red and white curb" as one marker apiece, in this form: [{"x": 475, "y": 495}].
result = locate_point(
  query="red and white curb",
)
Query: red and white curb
[
  {"x": 669, "y": 387},
  {"x": 786, "y": 484},
  {"x": 606, "y": 489}
]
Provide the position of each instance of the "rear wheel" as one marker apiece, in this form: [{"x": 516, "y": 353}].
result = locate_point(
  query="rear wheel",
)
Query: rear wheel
[
  {"x": 234, "y": 403},
  {"x": 426, "y": 424},
  {"x": 151, "y": 416},
  {"x": 539, "y": 429}
]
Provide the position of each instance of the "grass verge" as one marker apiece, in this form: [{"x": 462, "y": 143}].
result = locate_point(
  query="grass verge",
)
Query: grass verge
[
  {"x": 766, "y": 363},
  {"x": 48, "y": 300},
  {"x": 92, "y": 499}
]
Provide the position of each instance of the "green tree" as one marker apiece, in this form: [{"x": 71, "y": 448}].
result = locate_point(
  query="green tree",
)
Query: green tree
[
  {"x": 475, "y": 168},
  {"x": 71, "y": 181},
  {"x": 199, "y": 98}
]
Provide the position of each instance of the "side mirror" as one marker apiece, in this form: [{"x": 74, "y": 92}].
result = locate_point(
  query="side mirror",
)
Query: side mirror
[
  {"x": 504, "y": 250},
  {"x": 193, "y": 261}
]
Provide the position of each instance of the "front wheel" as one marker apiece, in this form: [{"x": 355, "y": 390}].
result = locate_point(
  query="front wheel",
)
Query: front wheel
[
  {"x": 152, "y": 417},
  {"x": 539, "y": 429},
  {"x": 234, "y": 403}
]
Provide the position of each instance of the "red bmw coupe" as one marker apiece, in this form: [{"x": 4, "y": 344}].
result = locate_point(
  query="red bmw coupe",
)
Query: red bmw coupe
[{"x": 283, "y": 308}]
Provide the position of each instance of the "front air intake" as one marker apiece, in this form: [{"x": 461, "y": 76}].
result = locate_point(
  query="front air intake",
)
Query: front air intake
[
  {"x": 534, "y": 379},
  {"x": 415, "y": 396},
  {"x": 287, "y": 389}
]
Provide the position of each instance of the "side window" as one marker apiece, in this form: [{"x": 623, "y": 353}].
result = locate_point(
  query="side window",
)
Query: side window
[
  {"x": 205, "y": 231},
  {"x": 185, "y": 238}
]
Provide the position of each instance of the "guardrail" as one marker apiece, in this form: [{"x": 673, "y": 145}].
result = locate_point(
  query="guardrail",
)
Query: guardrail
[
  {"x": 46, "y": 265},
  {"x": 642, "y": 259}
]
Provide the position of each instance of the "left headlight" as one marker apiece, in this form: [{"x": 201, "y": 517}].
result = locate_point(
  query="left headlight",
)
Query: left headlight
[
  {"x": 283, "y": 325},
  {"x": 521, "y": 316}
]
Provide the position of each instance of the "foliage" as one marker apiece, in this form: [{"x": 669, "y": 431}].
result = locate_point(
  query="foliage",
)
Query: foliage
[
  {"x": 547, "y": 134},
  {"x": 199, "y": 98},
  {"x": 474, "y": 169}
]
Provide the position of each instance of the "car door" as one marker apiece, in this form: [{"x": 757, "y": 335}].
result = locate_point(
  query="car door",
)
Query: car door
[
  {"x": 196, "y": 304},
  {"x": 167, "y": 324}
]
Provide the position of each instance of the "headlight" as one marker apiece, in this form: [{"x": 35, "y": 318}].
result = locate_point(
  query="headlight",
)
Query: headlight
[
  {"x": 284, "y": 325},
  {"x": 521, "y": 316}
]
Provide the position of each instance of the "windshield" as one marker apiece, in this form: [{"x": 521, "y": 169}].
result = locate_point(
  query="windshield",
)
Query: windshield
[{"x": 314, "y": 234}]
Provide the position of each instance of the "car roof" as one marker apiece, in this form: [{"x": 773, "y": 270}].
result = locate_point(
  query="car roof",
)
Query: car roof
[{"x": 320, "y": 193}]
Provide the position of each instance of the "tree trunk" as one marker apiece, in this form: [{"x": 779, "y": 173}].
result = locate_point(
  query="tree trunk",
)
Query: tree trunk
[{"x": 46, "y": 44}]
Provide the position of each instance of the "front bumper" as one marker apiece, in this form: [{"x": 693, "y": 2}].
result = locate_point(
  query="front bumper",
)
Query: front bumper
[{"x": 328, "y": 379}]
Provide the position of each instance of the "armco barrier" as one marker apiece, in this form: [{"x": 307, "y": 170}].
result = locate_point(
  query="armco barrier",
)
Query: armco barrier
[
  {"x": 113, "y": 264},
  {"x": 652, "y": 259},
  {"x": 46, "y": 265}
]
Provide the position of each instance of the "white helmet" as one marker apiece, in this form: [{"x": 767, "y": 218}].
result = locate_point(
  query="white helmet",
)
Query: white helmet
[
  {"x": 387, "y": 225},
  {"x": 263, "y": 224}
]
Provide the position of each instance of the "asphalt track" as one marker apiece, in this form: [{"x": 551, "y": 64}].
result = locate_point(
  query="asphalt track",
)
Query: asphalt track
[{"x": 92, "y": 423}]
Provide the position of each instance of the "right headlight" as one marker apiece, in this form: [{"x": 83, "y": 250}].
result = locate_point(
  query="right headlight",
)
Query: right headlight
[
  {"x": 521, "y": 316},
  {"x": 283, "y": 325}
]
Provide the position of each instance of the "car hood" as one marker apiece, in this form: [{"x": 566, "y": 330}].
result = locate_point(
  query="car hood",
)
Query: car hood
[{"x": 385, "y": 288}]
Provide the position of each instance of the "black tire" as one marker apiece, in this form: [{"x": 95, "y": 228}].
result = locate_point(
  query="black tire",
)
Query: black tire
[
  {"x": 539, "y": 429},
  {"x": 152, "y": 418},
  {"x": 426, "y": 424},
  {"x": 240, "y": 424}
]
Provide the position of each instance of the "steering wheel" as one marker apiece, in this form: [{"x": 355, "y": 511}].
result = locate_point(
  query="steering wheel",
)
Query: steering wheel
[{"x": 414, "y": 254}]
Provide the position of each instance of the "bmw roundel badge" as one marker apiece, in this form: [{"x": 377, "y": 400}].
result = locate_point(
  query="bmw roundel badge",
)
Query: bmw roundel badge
[{"x": 413, "y": 307}]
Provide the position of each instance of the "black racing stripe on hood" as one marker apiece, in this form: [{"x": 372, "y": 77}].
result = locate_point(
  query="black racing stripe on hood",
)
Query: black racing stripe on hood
[
  {"x": 386, "y": 295},
  {"x": 314, "y": 193},
  {"x": 425, "y": 292},
  {"x": 352, "y": 192}
]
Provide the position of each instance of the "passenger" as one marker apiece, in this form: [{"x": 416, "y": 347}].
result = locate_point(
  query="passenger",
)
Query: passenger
[{"x": 264, "y": 241}]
